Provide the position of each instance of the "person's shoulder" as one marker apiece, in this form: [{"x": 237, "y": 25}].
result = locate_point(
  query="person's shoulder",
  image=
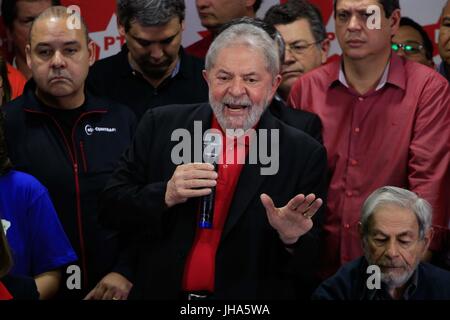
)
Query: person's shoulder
[
  {"x": 296, "y": 136},
  {"x": 436, "y": 275},
  {"x": 341, "y": 285},
  {"x": 23, "y": 183},
  {"x": 193, "y": 61},
  {"x": 320, "y": 75},
  {"x": 21, "y": 288},
  {"x": 423, "y": 75},
  {"x": 178, "y": 110},
  {"x": 15, "y": 106},
  {"x": 112, "y": 106},
  {"x": 107, "y": 65},
  {"x": 297, "y": 114}
]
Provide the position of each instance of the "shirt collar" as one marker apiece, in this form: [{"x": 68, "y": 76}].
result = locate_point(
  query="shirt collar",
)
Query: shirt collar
[
  {"x": 381, "y": 84},
  {"x": 394, "y": 73}
]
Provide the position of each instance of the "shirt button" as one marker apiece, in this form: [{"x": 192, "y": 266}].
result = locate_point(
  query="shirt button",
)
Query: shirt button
[
  {"x": 349, "y": 193},
  {"x": 357, "y": 130},
  {"x": 225, "y": 166},
  {"x": 354, "y": 162},
  {"x": 361, "y": 99},
  {"x": 346, "y": 226}
]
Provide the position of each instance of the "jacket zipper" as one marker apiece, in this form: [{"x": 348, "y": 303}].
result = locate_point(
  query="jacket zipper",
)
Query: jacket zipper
[
  {"x": 83, "y": 156},
  {"x": 77, "y": 186}
]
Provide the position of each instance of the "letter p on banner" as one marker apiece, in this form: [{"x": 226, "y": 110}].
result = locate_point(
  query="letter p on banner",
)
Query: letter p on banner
[{"x": 74, "y": 19}]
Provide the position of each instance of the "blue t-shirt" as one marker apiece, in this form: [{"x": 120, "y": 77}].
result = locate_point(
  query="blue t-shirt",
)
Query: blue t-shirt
[{"x": 35, "y": 235}]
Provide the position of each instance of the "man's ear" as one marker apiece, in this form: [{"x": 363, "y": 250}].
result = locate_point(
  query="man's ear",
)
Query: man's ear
[
  {"x": 427, "y": 238},
  {"x": 91, "y": 50},
  {"x": 324, "y": 50},
  {"x": 276, "y": 84},
  {"x": 394, "y": 21},
  {"x": 205, "y": 76},
  {"x": 28, "y": 55},
  {"x": 121, "y": 29}
]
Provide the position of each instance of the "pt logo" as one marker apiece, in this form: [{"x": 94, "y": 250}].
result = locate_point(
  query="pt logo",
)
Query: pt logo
[
  {"x": 374, "y": 280},
  {"x": 73, "y": 281},
  {"x": 89, "y": 130}
]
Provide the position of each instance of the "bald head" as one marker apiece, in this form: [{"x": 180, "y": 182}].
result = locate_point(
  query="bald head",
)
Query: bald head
[{"x": 72, "y": 18}]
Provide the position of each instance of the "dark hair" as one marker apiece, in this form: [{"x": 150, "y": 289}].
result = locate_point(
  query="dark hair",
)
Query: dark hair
[
  {"x": 428, "y": 45},
  {"x": 270, "y": 29},
  {"x": 257, "y": 5},
  {"x": 6, "y": 85},
  {"x": 295, "y": 10},
  {"x": 9, "y": 11},
  {"x": 5, "y": 163},
  {"x": 389, "y": 6},
  {"x": 149, "y": 12},
  {"x": 5, "y": 254}
]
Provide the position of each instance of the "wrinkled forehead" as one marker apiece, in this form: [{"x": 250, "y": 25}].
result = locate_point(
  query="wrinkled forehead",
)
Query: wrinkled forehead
[{"x": 393, "y": 220}]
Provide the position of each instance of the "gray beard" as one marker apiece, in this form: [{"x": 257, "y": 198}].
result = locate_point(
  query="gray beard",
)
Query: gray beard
[{"x": 252, "y": 119}]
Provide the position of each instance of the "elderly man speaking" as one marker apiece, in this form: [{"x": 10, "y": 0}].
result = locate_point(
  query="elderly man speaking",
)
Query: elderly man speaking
[{"x": 262, "y": 222}]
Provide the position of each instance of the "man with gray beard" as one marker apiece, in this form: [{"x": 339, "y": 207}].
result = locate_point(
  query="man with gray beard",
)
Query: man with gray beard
[
  {"x": 262, "y": 241},
  {"x": 396, "y": 231}
]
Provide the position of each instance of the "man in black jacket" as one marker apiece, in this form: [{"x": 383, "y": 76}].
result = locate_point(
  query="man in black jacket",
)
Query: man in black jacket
[
  {"x": 152, "y": 68},
  {"x": 71, "y": 141},
  {"x": 253, "y": 249}
]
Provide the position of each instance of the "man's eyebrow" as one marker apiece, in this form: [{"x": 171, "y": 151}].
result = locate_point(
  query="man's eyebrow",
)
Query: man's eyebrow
[
  {"x": 405, "y": 234},
  {"x": 65, "y": 44}
]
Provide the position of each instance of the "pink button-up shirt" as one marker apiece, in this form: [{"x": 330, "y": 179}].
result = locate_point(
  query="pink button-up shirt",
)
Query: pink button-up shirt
[{"x": 397, "y": 134}]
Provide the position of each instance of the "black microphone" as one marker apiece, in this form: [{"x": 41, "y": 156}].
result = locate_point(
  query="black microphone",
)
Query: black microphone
[{"x": 211, "y": 151}]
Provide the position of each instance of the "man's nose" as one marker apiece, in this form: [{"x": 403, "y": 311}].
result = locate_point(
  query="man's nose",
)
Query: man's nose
[
  {"x": 58, "y": 60},
  {"x": 237, "y": 88},
  {"x": 391, "y": 249},
  {"x": 156, "y": 51},
  {"x": 355, "y": 23},
  {"x": 289, "y": 57}
]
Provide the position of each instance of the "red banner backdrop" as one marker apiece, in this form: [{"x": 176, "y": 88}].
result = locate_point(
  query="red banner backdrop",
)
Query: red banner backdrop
[{"x": 101, "y": 20}]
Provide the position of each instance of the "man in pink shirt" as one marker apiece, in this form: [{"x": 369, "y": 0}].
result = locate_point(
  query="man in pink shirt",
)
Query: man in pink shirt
[{"x": 386, "y": 121}]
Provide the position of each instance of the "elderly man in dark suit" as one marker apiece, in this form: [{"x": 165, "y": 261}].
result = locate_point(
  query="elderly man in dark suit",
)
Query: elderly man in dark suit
[{"x": 262, "y": 241}]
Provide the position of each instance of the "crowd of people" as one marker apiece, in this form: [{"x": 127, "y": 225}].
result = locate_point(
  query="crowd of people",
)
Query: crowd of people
[{"x": 96, "y": 204}]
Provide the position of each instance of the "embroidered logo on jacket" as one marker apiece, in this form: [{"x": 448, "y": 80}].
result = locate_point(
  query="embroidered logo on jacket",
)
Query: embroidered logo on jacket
[{"x": 90, "y": 130}]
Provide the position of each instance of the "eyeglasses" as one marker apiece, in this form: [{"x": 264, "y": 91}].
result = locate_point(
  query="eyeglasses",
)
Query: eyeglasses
[
  {"x": 299, "y": 48},
  {"x": 408, "y": 49}
]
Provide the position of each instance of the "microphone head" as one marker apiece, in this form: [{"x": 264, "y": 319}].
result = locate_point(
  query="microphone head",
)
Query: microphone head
[{"x": 212, "y": 147}]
